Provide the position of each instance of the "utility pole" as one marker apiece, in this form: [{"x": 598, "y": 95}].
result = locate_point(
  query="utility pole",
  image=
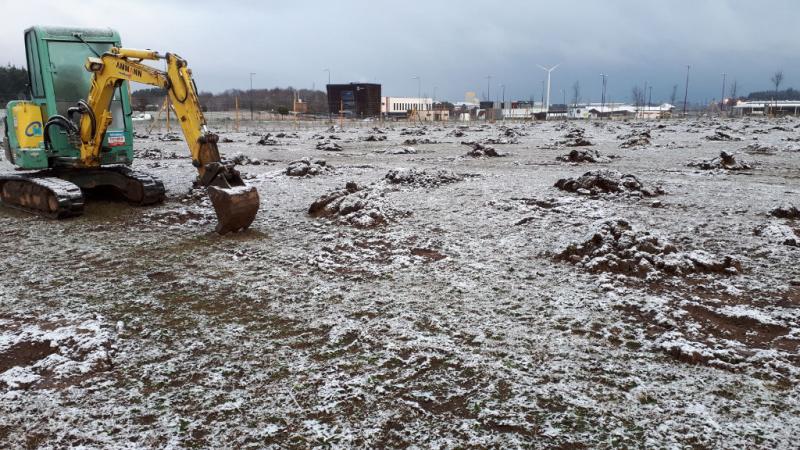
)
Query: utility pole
[
  {"x": 251, "y": 95},
  {"x": 722, "y": 98},
  {"x": 549, "y": 71},
  {"x": 326, "y": 92},
  {"x": 603, "y": 78},
  {"x": 489, "y": 95},
  {"x": 650, "y": 97},
  {"x": 686, "y": 91}
]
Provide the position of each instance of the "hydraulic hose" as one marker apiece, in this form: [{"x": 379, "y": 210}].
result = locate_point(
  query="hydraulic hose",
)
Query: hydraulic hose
[{"x": 61, "y": 122}]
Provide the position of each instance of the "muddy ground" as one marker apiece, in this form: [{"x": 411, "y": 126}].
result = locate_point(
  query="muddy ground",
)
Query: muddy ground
[{"x": 468, "y": 303}]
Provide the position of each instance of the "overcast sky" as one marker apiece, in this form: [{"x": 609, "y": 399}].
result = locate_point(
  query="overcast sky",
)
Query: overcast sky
[{"x": 453, "y": 45}]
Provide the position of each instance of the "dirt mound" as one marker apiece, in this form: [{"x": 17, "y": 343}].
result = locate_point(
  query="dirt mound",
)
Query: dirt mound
[
  {"x": 356, "y": 205},
  {"x": 455, "y": 133},
  {"x": 575, "y": 138},
  {"x": 268, "y": 140},
  {"x": 501, "y": 141},
  {"x": 155, "y": 153},
  {"x": 240, "y": 159},
  {"x": 307, "y": 167},
  {"x": 415, "y": 141},
  {"x": 512, "y": 132},
  {"x": 635, "y": 139},
  {"x": 725, "y": 161},
  {"x": 607, "y": 182},
  {"x": 787, "y": 211},
  {"x": 760, "y": 149},
  {"x": 483, "y": 151},
  {"x": 170, "y": 137},
  {"x": 613, "y": 245},
  {"x": 402, "y": 150},
  {"x": 422, "y": 178},
  {"x": 778, "y": 234},
  {"x": 584, "y": 156},
  {"x": 722, "y": 137},
  {"x": 413, "y": 132},
  {"x": 52, "y": 353},
  {"x": 329, "y": 146},
  {"x": 374, "y": 138}
]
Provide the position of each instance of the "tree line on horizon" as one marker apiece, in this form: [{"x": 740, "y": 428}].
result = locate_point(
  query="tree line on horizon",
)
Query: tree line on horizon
[{"x": 14, "y": 80}]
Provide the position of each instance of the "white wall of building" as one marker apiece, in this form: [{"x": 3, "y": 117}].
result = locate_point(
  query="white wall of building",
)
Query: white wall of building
[{"x": 401, "y": 105}]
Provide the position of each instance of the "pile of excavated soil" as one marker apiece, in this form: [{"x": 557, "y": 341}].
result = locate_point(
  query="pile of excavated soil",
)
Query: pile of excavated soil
[
  {"x": 402, "y": 150},
  {"x": 635, "y": 139},
  {"x": 483, "y": 151},
  {"x": 413, "y": 132},
  {"x": 374, "y": 138},
  {"x": 455, "y": 133},
  {"x": 786, "y": 211},
  {"x": 760, "y": 149},
  {"x": 356, "y": 205},
  {"x": 607, "y": 181},
  {"x": 725, "y": 161},
  {"x": 155, "y": 153},
  {"x": 778, "y": 234},
  {"x": 268, "y": 140},
  {"x": 723, "y": 137},
  {"x": 501, "y": 141},
  {"x": 422, "y": 178},
  {"x": 329, "y": 146},
  {"x": 584, "y": 156},
  {"x": 575, "y": 138},
  {"x": 307, "y": 167},
  {"x": 415, "y": 141},
  {"x": 613, "y": 245},
  {"x": 240, "y": 159}
]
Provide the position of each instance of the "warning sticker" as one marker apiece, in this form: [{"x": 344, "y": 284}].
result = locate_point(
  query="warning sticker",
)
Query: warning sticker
[{"x": 116, "y": 139}]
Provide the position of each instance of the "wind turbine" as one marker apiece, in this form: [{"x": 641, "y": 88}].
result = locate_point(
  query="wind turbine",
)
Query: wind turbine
[{"x": 547, "y": 102}]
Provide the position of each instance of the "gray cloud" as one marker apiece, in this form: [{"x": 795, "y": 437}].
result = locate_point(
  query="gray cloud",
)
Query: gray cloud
[{"x": 452, "y": 45}]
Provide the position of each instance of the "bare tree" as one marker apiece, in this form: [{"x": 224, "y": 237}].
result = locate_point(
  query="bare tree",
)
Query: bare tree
[
  {"x": 673, "y": 97},
  {"x": 734, "y": 87},
  {"x": 637, "y": 95},
  {"x": 576, "y": 93},
  {"x": 777, "y": 79}
]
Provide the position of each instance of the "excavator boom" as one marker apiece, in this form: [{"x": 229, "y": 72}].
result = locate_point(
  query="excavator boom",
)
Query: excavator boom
[{"x": 235, "y": 203}]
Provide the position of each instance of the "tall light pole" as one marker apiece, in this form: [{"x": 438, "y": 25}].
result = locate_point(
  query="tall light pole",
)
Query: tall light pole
[
  {"x": 603, "y": 78},
  {"x": 686, "y": 91},
  {"x": 547, "y": 103},
  {"x": 650, "y": 98},
  {"x": 722, "y": 97},
  {"x": 251, "y": 95},
  {"x": 488, "y": 88},
  {"x": 419, "y": 89},
  {"x": 326, "y": 92}
]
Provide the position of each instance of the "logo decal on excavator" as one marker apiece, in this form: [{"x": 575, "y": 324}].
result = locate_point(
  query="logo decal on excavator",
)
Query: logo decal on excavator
[
  {"x": 33, "y": 129},
  {"x": 116, "y": 139},
  {"x": 128, "y": 70}
]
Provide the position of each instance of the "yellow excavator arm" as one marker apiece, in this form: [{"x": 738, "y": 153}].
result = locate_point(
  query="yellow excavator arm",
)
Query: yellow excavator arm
[{"x": 235, "y": 203}]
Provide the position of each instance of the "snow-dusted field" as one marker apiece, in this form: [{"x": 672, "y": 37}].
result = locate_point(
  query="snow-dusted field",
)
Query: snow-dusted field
[{"x": 468, "y": 303}]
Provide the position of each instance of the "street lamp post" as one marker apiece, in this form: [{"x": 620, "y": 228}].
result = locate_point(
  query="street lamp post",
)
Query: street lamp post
[
  {"x": 326, "y": 92},
  {"x": 251, "y": 95},
  {"x": 686, "y": 91},
  {"x": 722, "y": 97},
  {"x": 603, "y": 78}
]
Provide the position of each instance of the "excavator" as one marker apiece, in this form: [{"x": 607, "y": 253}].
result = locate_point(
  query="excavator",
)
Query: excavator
[{"x": 75, "y": 134}]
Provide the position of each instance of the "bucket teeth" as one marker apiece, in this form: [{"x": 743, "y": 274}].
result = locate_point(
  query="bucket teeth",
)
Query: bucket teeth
[{"x": 236, "y": 207}]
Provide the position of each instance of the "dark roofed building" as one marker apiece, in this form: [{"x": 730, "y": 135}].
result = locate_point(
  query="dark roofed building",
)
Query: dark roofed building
[{"x": 355, "y": 99}]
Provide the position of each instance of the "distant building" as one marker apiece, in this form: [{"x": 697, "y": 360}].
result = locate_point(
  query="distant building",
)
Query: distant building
[
  {"x": 403, "y": 106},
  {"x": 761, "y": 108},
  {"x": 355, "y": 99}
]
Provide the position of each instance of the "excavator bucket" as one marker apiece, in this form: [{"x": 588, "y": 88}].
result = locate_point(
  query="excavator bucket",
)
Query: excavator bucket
[{"x": 236, "y": 207}]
